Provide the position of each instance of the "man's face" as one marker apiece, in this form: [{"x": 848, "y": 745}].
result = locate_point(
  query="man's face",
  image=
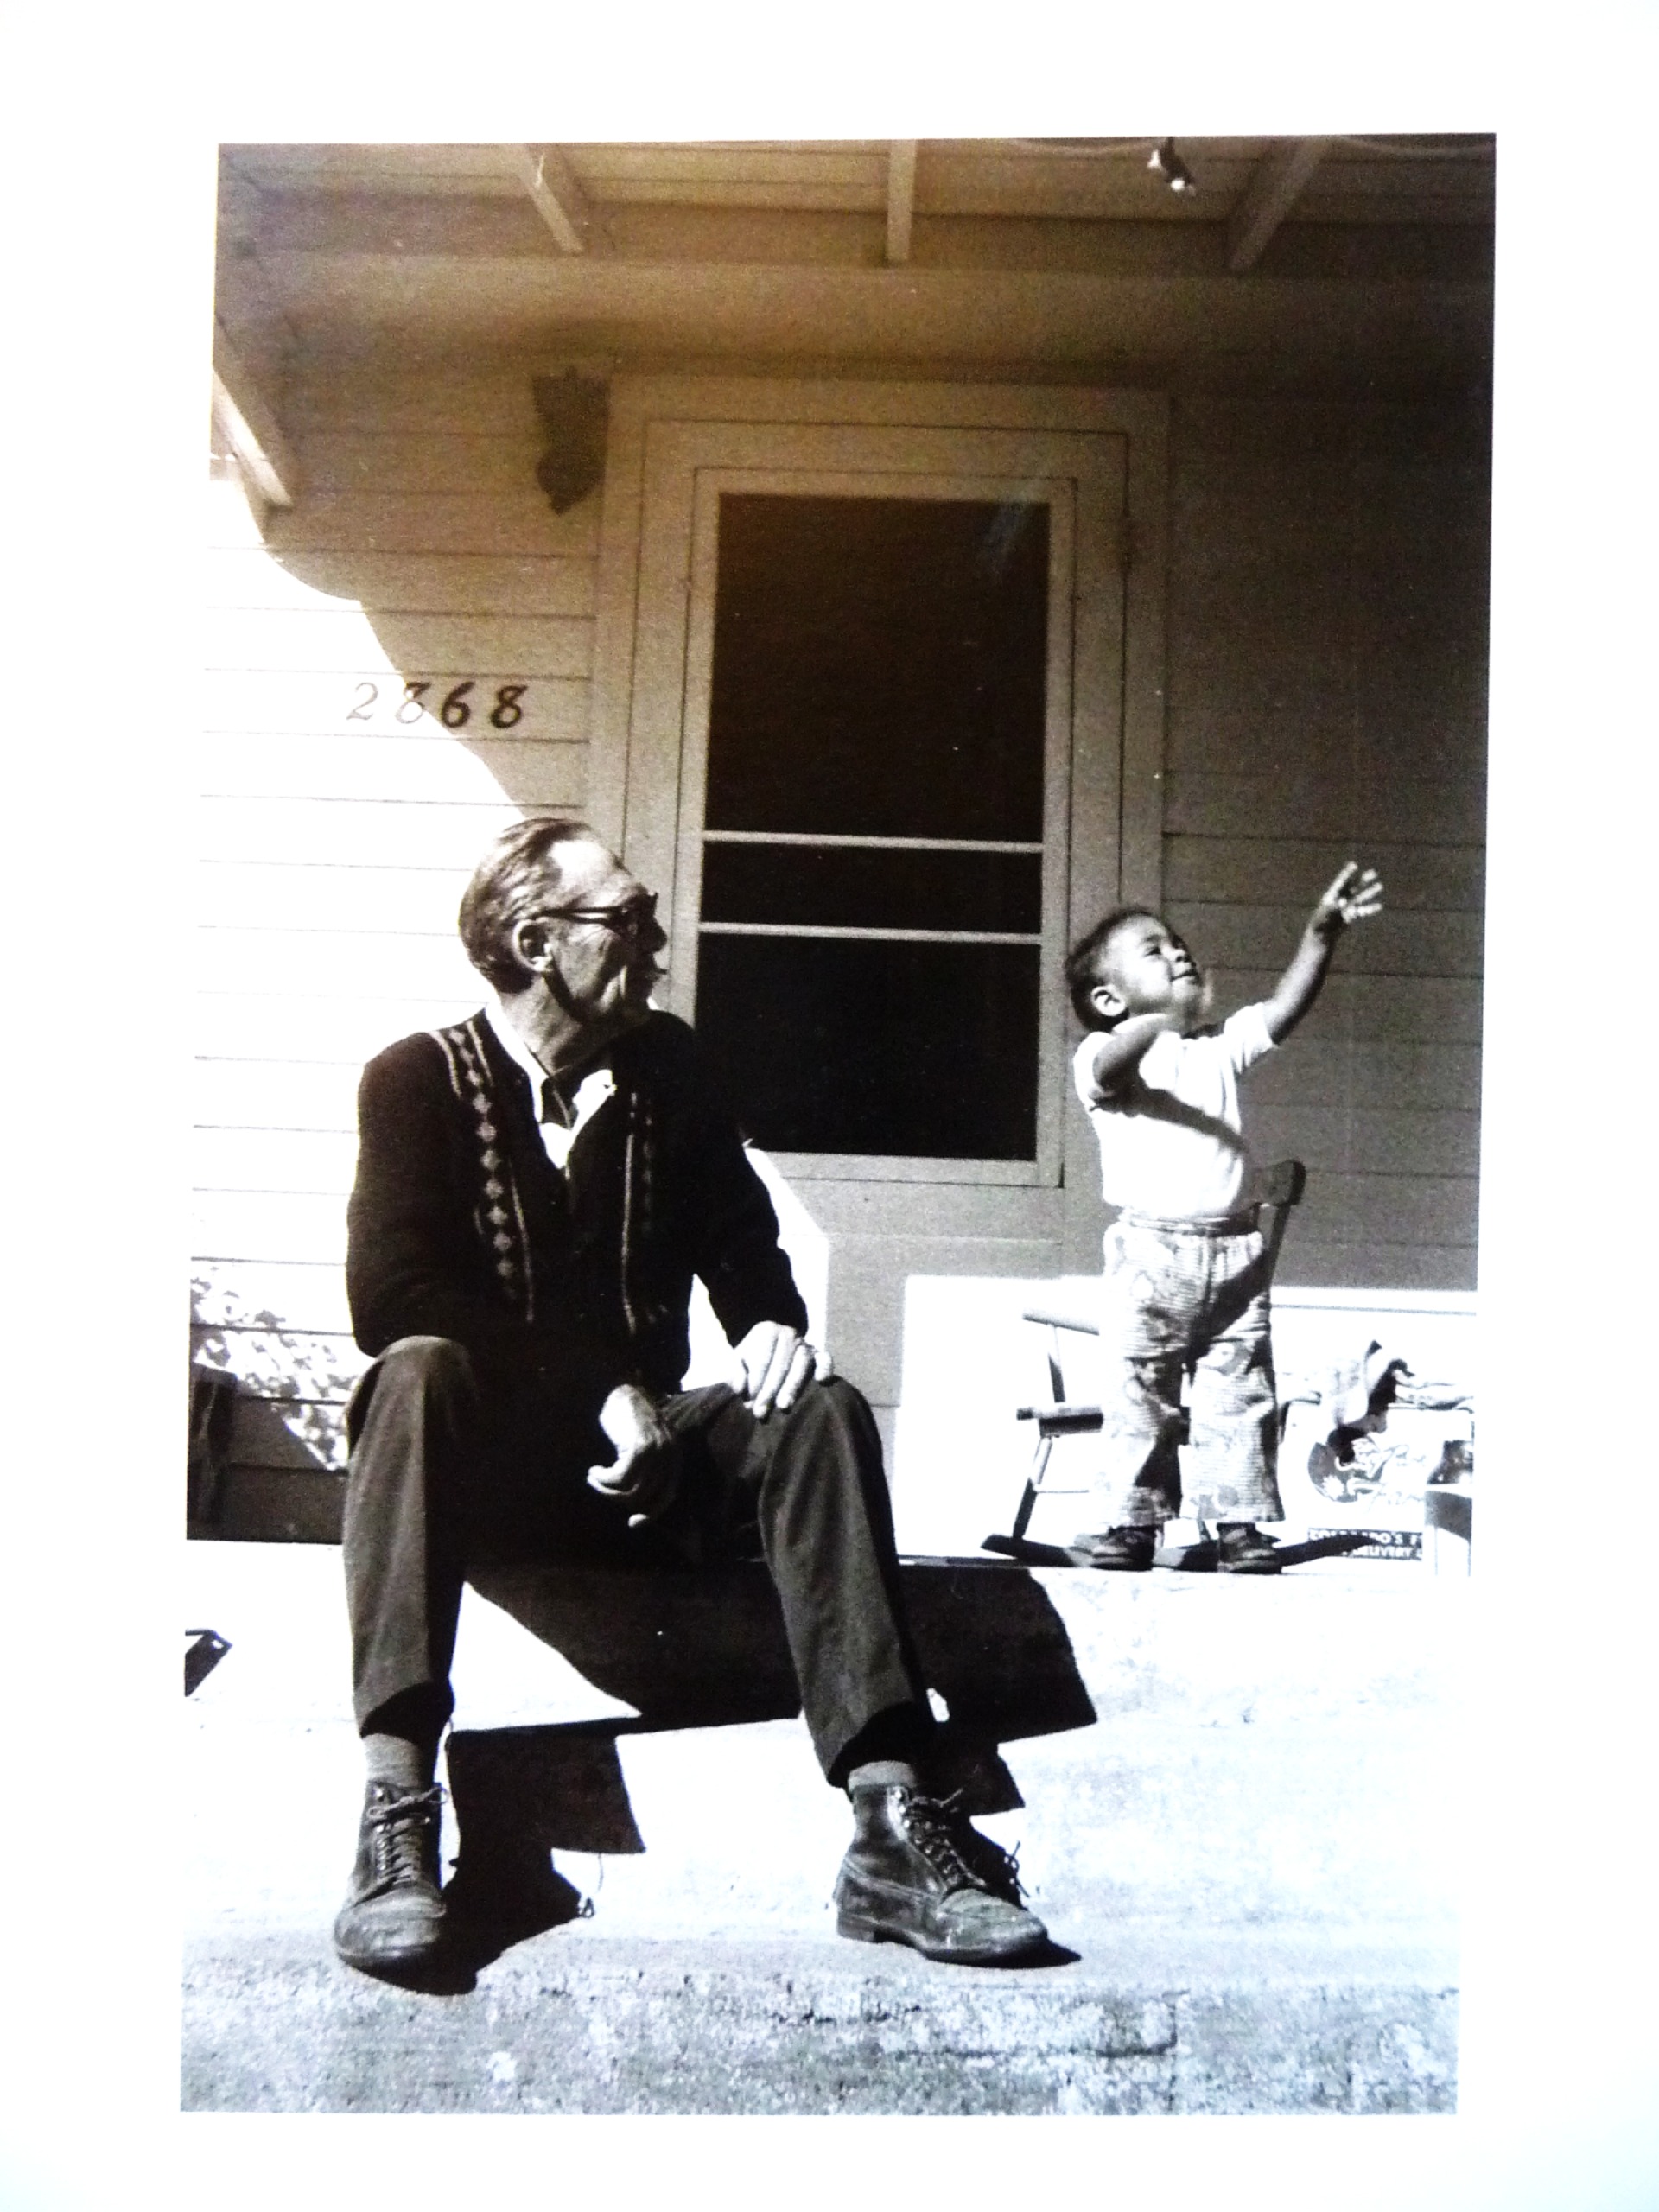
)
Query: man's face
[
  {"x": 603, "y": 969},
  {"x": 1147, "y": 970}
]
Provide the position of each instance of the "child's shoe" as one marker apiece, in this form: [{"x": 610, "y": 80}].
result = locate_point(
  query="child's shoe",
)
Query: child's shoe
[
  {"x": 1121, "y": 1551},
  {"x": 1243, "y": 1549}
]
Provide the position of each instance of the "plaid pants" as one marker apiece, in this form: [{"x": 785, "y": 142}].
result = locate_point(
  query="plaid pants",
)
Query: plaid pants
[{"x": 1179, "y": 1301}]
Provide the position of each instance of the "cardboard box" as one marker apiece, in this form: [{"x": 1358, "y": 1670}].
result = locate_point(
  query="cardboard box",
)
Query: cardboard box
[{"x": 1374, "y": 1479}]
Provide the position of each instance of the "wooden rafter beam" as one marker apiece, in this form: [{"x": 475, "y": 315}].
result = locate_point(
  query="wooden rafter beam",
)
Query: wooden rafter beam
[
  {"x": 249, "y": 423},
  {"x": 1275, "y": 185},
  {"x": 559, "y": 199},
  {"x": 901, "y": 198}
]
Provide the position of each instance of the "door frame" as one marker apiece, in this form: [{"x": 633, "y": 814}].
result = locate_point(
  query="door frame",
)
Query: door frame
[
  {"x": 637, "y": 403},
  {"x": 642, "y": 637}
]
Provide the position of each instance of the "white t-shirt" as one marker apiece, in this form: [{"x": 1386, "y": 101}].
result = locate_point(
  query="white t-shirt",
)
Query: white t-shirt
[{"x": 1170, "y": 1141}]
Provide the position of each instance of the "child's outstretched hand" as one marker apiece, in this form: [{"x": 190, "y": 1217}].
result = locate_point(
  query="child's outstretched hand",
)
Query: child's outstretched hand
[{"x": 1355, "y": 894}]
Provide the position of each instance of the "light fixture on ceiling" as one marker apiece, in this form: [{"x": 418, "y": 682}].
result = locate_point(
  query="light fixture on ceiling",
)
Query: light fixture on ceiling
[{"x": 1167, "y": 163}]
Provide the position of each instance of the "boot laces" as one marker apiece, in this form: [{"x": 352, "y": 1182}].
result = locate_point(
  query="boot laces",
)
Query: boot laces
[
  {"x": 941, "y": 1831},
  {"x": 399, "y": 1828}
]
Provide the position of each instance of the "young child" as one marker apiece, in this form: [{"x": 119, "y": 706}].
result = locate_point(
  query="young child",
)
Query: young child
[{"x": 1185, "y": 1288}]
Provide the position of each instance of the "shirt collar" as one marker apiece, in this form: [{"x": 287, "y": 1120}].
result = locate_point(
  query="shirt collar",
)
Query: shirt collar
[{"x": 516, "y": 1049}]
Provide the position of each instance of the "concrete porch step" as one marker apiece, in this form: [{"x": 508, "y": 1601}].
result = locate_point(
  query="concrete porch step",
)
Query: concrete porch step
[
  {"x": 1240, "y": 1855},
  {"x": 575, "y": 2021}
]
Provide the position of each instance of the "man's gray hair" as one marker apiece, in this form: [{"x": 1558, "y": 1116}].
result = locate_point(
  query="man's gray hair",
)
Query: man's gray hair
[{"x": 509, "y": 885}]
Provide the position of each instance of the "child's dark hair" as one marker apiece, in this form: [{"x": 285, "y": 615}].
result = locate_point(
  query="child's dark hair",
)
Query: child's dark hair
[{"x": 1081, "y": 962}]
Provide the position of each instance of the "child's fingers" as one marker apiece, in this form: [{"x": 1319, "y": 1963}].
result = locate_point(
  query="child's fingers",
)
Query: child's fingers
[
  {"x": 1357, "y": 894},
  {"x": 1340, "y": 884}
]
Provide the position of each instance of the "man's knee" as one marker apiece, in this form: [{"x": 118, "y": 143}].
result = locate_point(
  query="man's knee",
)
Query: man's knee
[
  {"x": 830, "y": 1435},
  {"x": 434, "y": 1359},
  {"x": 834, "y": 1404},
  {"x": 415, "y": 1370}
]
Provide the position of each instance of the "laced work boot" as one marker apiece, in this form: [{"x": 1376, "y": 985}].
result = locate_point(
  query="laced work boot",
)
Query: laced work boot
[
  {"x": 919, "y": 1873},
  {"x": 1121, "y": 1551},
  {"x": 1242, "y": 1548},
  {"x": 391, "y": 1922}
]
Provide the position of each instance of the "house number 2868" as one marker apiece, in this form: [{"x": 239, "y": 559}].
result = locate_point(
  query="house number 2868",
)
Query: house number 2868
[{"x": 454, "y": 711}]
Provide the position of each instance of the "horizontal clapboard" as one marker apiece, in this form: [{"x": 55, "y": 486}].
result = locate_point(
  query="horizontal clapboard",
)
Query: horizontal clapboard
[
  {"x": 1321, "y": 1070},
  {"x": 341, "y": 394},
  {"x": 307, "y": 1366},
  {"x": 1299, "y": 436},
  {"x": 1427, "y": 1007},
  {"x": 425, "y": 767},
  {"x": 314, "y": 1162},
  {"x": 380, "y": 521},
  {"x": 391, "y": 833},
  {"x": 244, "y": 1024},
  {"x": 402, "y": 583},
  {"x": 1345, "y": 1209},
  {"x": 1261, "y": 613},
  {"x": 291, "y": 1434},
  {"x": 1278, "y": 872},
  {"x": 1230, "y": 937},
  {"x": 306, "y": 963},
  {"x": 1425, "y": 739},
  {"x": 1315, "y": 1265},
  {"x": 1357, "y": 811},
  {"x": 279, "y": 895},
  {"x": 426, "y": 462},
  {"x": 274, "y": 1093},
  {"x": 1366, "y": 1140},
  {"x": 352, "y": 640},
  {"x": 271, "y": 1294},
  {"x": 263, "y": 1225}
]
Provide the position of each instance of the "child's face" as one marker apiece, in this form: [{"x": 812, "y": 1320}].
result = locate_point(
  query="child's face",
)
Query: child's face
[{"x": 1146, "y": 969}]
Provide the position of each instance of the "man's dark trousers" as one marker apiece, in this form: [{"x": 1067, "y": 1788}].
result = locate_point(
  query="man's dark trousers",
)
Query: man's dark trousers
[{"x": 451, "y": 1467}]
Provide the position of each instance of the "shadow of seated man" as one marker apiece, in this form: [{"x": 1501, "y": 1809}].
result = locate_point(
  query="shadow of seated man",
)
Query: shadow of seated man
[
  {"x": 705, "y": 1647},
  {"x": 537, "y": 1188},
  {"x": 520, "y": 1794}
]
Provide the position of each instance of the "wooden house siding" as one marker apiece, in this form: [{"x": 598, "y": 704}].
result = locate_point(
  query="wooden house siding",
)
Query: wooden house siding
[
  {"x": 1327, "y": 657},
  {"x": 1324, "y": 670},
  {"x": 333, "y": 851}
]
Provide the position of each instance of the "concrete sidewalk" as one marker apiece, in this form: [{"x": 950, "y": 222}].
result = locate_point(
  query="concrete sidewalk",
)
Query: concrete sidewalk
[{"x": 1242, "y": 1862}]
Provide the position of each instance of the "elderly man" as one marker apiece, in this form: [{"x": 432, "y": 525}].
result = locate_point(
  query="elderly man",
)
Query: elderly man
[{"x": 535, "y": 1188}]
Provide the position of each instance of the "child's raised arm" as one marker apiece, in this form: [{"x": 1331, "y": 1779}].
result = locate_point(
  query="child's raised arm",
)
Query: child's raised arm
[
  {"x": 1121, "y": 1050},
  {"x": 1354, "y": 896}
]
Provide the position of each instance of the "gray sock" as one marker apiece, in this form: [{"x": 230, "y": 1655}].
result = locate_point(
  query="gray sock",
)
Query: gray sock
[
  {"x": 884, "y": 1774},
  {"x": 395, "y": 1759}
]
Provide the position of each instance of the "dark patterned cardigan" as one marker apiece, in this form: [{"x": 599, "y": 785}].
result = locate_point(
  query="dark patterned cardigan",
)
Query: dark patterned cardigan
[{"x": 459, "y": 1226}]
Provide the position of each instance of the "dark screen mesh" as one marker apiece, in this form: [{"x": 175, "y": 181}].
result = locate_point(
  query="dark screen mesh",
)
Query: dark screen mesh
[
  {"x": 872, "y": 889},
  {"x": 846, "y": 1045},
  {"x": 878, "y": 667}
]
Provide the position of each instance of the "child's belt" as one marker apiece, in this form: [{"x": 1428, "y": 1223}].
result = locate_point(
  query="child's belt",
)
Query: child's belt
[{"x": 1232, "y": 1224}]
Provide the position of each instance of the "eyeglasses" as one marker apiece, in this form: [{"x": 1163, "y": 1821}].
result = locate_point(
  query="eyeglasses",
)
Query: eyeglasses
[{"x": 634, "y": 919}]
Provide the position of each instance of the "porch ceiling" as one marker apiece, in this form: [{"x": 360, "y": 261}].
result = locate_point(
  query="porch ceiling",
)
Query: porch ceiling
[
  {"x": 1396, "y": 179},
  {"x": 1316, "y": 251}
]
